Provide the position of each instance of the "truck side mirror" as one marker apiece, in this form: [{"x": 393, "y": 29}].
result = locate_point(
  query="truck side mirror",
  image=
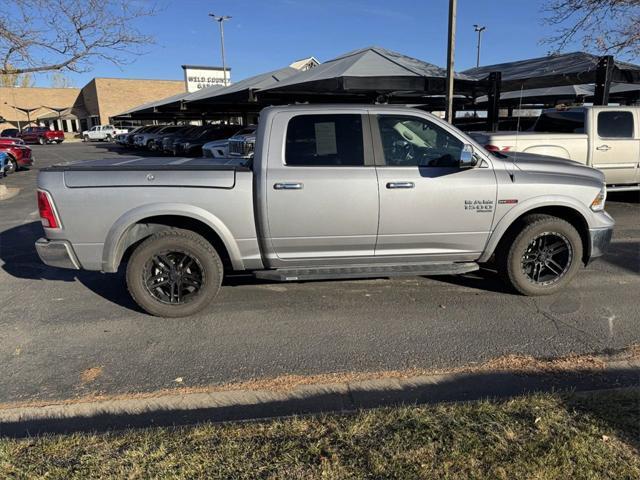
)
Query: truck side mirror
[{"x": 467, "y": 158}]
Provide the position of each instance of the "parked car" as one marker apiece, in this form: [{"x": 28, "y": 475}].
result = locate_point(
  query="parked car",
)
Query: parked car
[
  {"x": 142, "y": 140},
  {"x": 154, "y": 141},
  {"x": 18, "y": 155},
  {"x": 216, "y": 149},
  {"x": 10, "y": 132},
  {"x": 130, "y": 137},
  {"x": 41, "y": 135},
  {"x": 169, "y": 143},
  {"x": 102, "y": 133},
  {"x": 242, "y": 144},
  {"x": 333, "y": 192},
  {"x": 3, "y": 164},
  {"x": 607, "y": 138},
  {"x": 166, "y": 142},
  {"x": 122, "y": 138},
  {"x": 193, "y": 147},
  {"x": 11, "y": 141}
]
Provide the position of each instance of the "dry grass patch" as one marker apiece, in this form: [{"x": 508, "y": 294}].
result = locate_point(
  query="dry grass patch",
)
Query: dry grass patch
[{"x": 545, "y": 436}]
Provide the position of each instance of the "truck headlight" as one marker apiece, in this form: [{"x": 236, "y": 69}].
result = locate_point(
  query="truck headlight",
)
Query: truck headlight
[{"x": 598, "y": 203}]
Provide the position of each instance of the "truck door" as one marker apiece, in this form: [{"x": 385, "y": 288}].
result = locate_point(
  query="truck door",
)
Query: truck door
[
  {"x": 429, "y": 206},
  {"x": 321, "y": 187},
  {"x": 615, "y": 144}
]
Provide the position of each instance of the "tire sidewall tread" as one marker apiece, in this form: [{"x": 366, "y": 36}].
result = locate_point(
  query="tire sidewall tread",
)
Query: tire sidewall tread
[{"x": 510, "y": 255}]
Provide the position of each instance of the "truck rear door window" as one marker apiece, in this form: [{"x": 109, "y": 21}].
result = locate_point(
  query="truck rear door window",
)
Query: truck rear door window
[
  {"x": 560, "y": 122},
  {"x": 615, "y": 125},
  {"x": 324, "y": 140}
]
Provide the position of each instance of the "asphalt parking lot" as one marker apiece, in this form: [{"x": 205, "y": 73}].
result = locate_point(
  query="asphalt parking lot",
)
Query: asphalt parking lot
[{"x": 66, "y": 333}]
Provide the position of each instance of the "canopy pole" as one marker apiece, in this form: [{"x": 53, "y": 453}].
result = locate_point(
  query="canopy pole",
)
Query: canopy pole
[
  {"x": 451, "y": 45},
  {"x": 493, "y": 107},
  {"x": 604, "y": 72}
]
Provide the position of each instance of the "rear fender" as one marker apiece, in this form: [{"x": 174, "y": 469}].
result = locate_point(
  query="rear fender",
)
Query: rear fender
[{"x": 114, "y": 246}]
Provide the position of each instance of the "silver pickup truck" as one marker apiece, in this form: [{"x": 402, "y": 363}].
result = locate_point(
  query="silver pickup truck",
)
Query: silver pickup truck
[{"x": 332, "y": 192}]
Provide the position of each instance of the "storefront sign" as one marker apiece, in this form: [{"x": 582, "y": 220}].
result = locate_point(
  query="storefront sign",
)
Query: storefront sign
[{"x": 196, "y": 77}]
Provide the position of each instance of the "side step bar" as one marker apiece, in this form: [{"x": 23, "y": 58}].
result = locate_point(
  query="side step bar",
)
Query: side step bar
[{"x": 366, "y": 271}]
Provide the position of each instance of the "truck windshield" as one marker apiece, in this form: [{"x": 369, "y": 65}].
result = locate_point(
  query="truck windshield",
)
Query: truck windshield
[{"x": 560, "y": 122}]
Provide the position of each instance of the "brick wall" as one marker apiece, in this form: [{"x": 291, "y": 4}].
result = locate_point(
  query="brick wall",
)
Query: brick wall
[{"x": 116, "y": 95}]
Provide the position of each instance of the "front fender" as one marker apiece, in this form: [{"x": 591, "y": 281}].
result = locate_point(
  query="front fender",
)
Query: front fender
[
  {"x": 528, "y": 205},
  {"x": 114, "y": 246}
]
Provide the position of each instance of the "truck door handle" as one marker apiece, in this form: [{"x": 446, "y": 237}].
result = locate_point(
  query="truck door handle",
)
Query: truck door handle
[
  {"x": 401, "y": 185},
  {"x": 288, "y": 186},
  {"x": 603, "y": 148}
]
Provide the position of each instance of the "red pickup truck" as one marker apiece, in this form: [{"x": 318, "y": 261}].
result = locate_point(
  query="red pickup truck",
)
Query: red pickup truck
[
  {"x": 18, "y": 154},
  {"x": 41, "y": 135}
]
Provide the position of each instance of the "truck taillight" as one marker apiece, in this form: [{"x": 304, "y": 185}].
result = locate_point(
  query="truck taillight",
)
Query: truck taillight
[
  {"x": 495, "y": 148},
  {"x": 47, "y": 213}
]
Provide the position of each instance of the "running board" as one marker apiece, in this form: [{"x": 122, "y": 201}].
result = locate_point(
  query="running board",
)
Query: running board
[
  {"x": 367, "y": 271},
  {"x": 623, "y": 188}
]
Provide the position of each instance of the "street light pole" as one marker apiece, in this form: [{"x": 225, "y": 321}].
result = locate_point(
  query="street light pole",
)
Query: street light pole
[
  {"x": 451, "y": 46},
  {"x": 479, "y": 29},
  {"x": 221, "y": 19}
]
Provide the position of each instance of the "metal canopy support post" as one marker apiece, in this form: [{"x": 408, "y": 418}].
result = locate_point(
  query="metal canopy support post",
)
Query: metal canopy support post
[
  {"x": 604, "y": 72},
  {"x": 493, "y": 106},
  {"x": 451, "y": 46}
]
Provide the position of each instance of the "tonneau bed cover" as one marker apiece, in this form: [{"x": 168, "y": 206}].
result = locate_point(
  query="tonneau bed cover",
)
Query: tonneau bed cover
[{"x": 154, "y": 163}]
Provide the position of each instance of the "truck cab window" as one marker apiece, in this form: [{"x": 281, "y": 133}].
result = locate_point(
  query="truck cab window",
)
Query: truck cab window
[
  {"x": 615, "y": 125},
  {"x": 324, "y": 140},
  {"x": 413, "y": 141}
]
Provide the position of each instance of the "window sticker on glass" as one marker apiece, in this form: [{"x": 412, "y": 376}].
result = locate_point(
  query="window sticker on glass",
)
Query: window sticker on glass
[{"x": 326, "y": 138}]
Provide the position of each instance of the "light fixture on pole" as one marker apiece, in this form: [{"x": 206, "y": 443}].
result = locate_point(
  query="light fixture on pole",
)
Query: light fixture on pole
[
  {"x": 479, "y": 29},
  {"x": 221, "y": 19}
]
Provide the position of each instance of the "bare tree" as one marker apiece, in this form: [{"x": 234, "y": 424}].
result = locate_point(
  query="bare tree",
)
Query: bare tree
[
  {"x": 22, "y": 80},
  {"x": 600, "y": 26},
  {"x": 54, "y": 35},
  {"x": 59, "y": 80}
]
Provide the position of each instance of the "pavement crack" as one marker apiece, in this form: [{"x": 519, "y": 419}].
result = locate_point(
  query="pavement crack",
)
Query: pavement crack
[{"x": 557, "y": 323}]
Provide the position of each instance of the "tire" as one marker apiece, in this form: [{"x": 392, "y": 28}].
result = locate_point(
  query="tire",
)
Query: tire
[
  {"x": 41, "y": 140},
  {"x": 85, "y": 138},
  {"x": 526, "y": 260},
  {"x": 109, "y": 139},
  {"x": 11, "y": 165},
  {"x": 162, "y": 298}
]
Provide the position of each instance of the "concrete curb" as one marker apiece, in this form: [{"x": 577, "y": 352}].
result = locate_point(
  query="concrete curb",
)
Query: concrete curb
[{"x": 181, "y": 409}]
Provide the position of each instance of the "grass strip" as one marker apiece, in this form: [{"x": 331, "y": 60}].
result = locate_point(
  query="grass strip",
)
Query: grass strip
[{"x": 541, "y": 436}]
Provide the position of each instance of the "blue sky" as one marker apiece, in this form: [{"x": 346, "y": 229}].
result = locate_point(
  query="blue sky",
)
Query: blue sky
[{"x": 267, "y": 34}]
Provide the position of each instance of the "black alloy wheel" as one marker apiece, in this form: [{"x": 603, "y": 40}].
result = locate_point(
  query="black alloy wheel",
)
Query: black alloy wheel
[
  {"x": 547, "y": 258},
  {"x": 173, "y": 277}
]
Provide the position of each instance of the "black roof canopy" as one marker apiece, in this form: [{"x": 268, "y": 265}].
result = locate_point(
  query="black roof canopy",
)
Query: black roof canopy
[
  {"x": 555, "y": 70},
  {"x": 367, "y": 72}
]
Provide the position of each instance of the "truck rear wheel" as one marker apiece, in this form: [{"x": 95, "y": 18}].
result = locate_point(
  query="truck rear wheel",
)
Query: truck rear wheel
[
  {"x": 542, "y": 257},
  {"x": 41, "y": 140},
  {"x": 174, "y": 273}
]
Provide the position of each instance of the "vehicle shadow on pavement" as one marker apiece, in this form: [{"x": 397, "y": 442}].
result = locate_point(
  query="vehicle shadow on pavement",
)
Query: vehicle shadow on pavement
[
  {"x": 483, "y": 279},
  {"x": 20, "y": 260},
  {"x": 624, "y": 255},
  {"x": 226, "y": 406}
]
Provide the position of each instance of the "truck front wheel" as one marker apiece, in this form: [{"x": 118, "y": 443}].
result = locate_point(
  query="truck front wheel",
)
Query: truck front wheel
[
  {"x": 174, "y": 273},
  {"x": 542, "y": 257}
]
